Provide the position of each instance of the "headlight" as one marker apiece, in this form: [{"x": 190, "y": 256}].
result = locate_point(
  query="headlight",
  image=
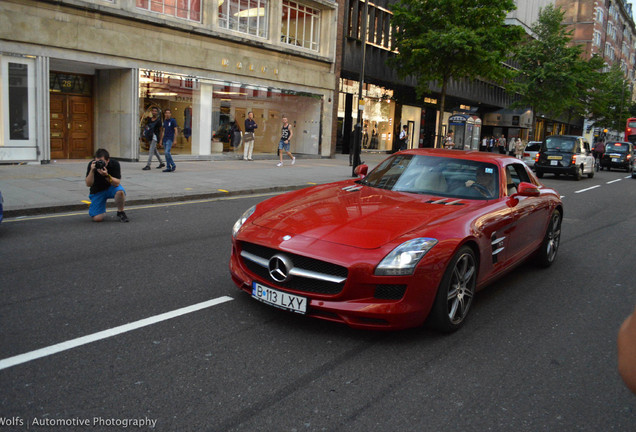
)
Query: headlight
[
  {"x": 239, "y": 223},
  {"x": 403, "y": 259}
]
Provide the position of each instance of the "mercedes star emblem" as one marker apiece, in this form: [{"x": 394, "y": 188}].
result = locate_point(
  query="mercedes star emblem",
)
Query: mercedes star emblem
[{"x": 280, "y": 267}]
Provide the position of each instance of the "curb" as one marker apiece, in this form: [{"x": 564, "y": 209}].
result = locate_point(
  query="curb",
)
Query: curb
[{"x": 35, "y": 211}]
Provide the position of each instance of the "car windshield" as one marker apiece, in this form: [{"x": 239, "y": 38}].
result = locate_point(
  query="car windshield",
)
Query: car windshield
[
  {"x": 439, "y": 176},
  {"x": 560, "y": 144},
  {"x": 617, "y": 148}
]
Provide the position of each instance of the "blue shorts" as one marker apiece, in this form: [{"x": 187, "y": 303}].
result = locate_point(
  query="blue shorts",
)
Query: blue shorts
[
  {"x": 98, "y": 200},
  {"x": 283, "y": 146}
]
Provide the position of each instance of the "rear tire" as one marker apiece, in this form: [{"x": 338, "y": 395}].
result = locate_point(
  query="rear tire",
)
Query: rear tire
[
  {"x": 550, "y": 244},
  {"x": 579, "y": 173},
  {"x": 455, "y": 293},
  {"x": 539, "y": 174}
]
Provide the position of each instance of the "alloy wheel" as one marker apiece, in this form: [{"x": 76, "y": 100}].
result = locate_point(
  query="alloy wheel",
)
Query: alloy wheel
[{"x": 461, "y": 288}]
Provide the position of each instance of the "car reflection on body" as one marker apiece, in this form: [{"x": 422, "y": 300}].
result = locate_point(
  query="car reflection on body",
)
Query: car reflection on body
[{"x": 410, "y": 242}]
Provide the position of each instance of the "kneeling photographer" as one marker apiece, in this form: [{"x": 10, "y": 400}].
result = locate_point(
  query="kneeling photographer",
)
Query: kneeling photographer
[{"x": 104, "y": 178}]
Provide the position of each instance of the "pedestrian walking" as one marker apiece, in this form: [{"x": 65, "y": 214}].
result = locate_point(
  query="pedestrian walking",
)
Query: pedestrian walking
[
  {"x": 502, "y": 144},
  {"x": 285, "y": 138},
  {"x": 248, "y": 138},
  {"x": 168, "y": 135},
  {"x": 520, "y": 146},
  {"x": 404, "y": 137},
  {"x": 103, "y": 177},
  {"x": 484, "y": 144},
  {"x": 448, "y": 142},
  {"x": 151, "y": 133},
  {"x": 511, "y": 146}
]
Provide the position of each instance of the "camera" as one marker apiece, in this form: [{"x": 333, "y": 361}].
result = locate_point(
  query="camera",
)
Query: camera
[{"x": 99, "y": 164}]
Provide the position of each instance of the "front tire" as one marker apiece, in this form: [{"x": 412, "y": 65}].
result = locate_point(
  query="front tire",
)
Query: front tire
[
  {"x": 551, "y": 240},
  {"x": 455, "y": 293}
]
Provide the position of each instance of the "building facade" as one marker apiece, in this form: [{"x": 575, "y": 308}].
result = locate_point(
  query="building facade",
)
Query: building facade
[{"x": 77, "y": 75}]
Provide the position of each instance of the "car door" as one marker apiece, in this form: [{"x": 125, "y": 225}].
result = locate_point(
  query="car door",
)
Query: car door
[
  {"x": 586, "y": 155},
  {"x": 530, "y": 214}
]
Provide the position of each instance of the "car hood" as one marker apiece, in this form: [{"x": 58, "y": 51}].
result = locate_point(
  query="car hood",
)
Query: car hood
[{"x": 360, "y": 216}]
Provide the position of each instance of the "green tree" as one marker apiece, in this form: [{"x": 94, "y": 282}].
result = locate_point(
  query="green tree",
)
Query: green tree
[
  {"x": 440, "y": 40},
  {"x": 610, "y": 103},
  {"x": 552, "y": 77}
]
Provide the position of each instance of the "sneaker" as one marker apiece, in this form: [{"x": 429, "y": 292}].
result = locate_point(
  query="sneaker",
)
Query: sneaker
[
  {"x": 122, "y": 216},
  {"x": 146, "y": 168},
  {"x": 279, "y": 164},
  {"x": 161, "y": 165},
  {"x": 293, "y": 160},
  {"x": 167, "y": 170}
]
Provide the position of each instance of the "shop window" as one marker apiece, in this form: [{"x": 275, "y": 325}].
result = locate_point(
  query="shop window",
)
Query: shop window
[
  {"x": 186, "y": 9},
  {"x": 17, "y": 108},
  {"x": 163, "y": 91},
  {"x": 300, "y": 26},
  {"x": 245, "y": 16}
]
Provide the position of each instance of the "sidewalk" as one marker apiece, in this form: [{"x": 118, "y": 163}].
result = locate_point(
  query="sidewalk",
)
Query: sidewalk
[{"x": 59, "y": 186}]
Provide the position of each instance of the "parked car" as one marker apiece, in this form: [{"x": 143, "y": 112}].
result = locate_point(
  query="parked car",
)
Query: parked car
[
  {"x": 565, "y": 154},
  {"x": 618, "y": 154},
  {"x": 530, "y": 152},
  {"x": 410, "y": 242}
]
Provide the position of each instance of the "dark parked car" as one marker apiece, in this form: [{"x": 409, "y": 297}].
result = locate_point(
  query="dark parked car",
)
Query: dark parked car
[
  {"x": 565, "y": 154},
  {"x": 618, "y": 155}
]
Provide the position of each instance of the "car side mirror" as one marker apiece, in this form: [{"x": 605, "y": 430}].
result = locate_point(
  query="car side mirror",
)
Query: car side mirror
[
  {"x": 361, "y": 170},
  {"x": 528, "y": 190}
]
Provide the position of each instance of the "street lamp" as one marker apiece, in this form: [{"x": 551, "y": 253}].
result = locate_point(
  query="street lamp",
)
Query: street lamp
[{"x": 357, "y": 136}]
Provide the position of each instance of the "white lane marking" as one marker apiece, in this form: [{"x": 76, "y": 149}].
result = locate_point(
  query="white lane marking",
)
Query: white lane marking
[
  {"x": 587, "y": 189},
  {"x": 613, "y": 181},
  {"x": 74, "y": 343}
]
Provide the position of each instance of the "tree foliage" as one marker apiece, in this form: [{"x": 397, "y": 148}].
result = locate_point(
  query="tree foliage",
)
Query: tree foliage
[
  {"x": 460, "y": 39},
  {"x": 610, "y": 103},
  {"x": 553, "y": 78}
]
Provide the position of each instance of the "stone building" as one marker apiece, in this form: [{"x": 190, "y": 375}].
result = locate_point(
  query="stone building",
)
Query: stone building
[{"x": 76, "y": 75}]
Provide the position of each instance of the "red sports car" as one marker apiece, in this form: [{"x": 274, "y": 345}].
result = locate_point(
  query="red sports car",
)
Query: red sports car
[{"x": 410, "y": 242}]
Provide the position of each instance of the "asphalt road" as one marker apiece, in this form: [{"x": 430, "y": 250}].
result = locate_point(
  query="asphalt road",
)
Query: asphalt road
[{"x": 538, "y": 352}]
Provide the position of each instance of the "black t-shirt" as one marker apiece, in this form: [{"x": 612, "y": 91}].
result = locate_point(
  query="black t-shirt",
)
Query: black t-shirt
[
  {"x": 154, "y": 126},
  {"x": 100, "y": 183}
]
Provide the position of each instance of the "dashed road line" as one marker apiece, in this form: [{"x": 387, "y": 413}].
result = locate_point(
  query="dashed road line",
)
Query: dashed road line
[
  {"x": 587, "y": 189},
  {"x": 613, "y": 181},
  {"x": 74, "y": 343}
]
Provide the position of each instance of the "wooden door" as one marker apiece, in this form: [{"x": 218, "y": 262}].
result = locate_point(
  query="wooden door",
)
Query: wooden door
[
  {"x": 59, "y": 147},
  {"x": 71, "y": 126}
]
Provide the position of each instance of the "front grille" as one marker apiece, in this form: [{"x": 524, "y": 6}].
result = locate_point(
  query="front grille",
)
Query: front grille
[
  {"x": 309, "y": 283},
  {"x": 389, "y": 292}
]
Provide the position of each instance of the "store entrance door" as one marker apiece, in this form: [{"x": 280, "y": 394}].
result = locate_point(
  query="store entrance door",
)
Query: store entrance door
[{"x": 71, "y": 126}]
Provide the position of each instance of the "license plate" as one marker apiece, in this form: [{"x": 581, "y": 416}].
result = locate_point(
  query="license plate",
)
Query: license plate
[
  {"x": 555, "y": 157},
  {"x": 554, "y": 163},
  {"x": 279, "y": 299},
  {"x": 616, "y": 160}
]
